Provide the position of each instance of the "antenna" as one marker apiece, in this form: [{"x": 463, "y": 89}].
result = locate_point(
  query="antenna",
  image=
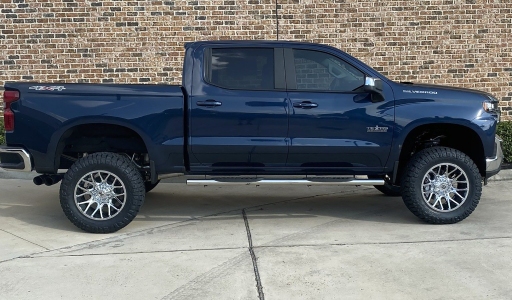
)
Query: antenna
[
  {"x": 277, "y": 24},
  {"x": 400, "y": 76}
]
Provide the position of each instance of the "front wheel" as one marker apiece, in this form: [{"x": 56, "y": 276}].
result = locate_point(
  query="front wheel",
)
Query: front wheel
[
  {"x": 441, "y": 185},
  {"x": 102, "y": 192}
]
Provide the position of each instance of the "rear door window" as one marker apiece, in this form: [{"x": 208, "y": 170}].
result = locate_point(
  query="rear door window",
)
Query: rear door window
[{"x": 242, "y": 68}]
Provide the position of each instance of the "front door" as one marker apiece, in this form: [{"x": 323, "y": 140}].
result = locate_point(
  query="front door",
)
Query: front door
[
  {"x": 239, "y": 118},
  {"x": 334, "y": 126}
]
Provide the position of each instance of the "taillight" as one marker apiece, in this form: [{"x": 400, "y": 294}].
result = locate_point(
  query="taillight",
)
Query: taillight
[
  {"x": 8, "y": 120},
  {"x": 9, "y": 98}
]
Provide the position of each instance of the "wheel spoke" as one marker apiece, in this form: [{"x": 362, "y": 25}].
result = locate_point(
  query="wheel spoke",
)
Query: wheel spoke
[
  {"x": 448, "y": 173},
  {"x": 82, "y": 188},
  {"x": 94, "y": 212},
  {"x": 87, "y": 208},
  {"x": 459, "y": 195},
  {"x": 83, "y": 202},
  {"x": 437, "y": 200},
  {"x": 88, "y": 183},
  {"x": 457, "y": 177},
  {"x": 92, "y": 179},
  {"x": 453, "y": 200},
  {"x": 430, "y": 197},
  {"x": 110, "y": 205},
  {"x": 88, "y": 192},
  {"x": 119, "y": 200}
]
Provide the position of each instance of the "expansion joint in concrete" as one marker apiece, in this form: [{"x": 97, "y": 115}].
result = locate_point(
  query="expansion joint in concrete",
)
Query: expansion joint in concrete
[{"x": 259, "y": 286}]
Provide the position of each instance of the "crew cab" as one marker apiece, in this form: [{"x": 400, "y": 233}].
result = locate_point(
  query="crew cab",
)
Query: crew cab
[{"x": 254, "y": 112}]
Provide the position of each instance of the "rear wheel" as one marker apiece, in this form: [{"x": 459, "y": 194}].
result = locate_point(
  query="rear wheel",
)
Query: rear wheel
[
  {"x": 441, "y": 185},
  {"x": 102, "y": 192}
]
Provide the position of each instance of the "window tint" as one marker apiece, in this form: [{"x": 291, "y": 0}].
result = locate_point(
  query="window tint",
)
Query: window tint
[
  {"x": 243, "y": 68},
  {"x": 320, "y": 71}
]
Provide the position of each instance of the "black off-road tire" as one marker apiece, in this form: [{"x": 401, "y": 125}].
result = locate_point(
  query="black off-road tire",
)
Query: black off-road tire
[
  {"x": 150, "y": 186},
  {"x": 416, "y": 169},
  {"x": 116, "y": 164}
]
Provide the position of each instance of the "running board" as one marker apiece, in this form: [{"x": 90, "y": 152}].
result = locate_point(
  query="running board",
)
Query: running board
[{"x": 257, "y": 181}]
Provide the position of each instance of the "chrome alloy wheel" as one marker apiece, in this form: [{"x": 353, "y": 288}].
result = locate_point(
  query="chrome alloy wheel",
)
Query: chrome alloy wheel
[
  {"x": 100, "y": 195},
  {"x": 445, "y": 187}
]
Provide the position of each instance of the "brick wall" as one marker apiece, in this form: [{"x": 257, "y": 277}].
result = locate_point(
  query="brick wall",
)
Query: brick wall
[{"x": 464, "y": 43}]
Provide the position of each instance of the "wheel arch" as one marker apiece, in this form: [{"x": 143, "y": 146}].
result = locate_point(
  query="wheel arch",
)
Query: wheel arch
[
  {"x": 57, "y": 143},
  {"x": 462, "y": 136}
]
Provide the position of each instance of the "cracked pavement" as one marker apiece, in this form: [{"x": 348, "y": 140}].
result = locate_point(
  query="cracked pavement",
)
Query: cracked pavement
[{"x": 246, "y": 242}]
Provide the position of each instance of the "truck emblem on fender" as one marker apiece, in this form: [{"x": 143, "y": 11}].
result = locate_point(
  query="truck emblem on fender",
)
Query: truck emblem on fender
[
  {"x": 47, "y": 88},
  {"x": 377, "y": 129},
  {"x": 420, "y": 92}
]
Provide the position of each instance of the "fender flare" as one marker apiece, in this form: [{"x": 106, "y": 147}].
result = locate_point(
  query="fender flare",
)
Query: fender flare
[
  {"x": 59, "y": 134},
  {"x": 401, "y": 134}
]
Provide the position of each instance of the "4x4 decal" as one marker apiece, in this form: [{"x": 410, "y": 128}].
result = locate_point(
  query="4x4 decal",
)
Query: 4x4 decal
[{"x": 47, "y": 88}]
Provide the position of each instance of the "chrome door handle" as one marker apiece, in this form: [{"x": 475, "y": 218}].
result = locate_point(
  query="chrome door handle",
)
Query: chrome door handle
[
  {"x": 209, "y": 103},
  {"x": 305, "y": 104}
]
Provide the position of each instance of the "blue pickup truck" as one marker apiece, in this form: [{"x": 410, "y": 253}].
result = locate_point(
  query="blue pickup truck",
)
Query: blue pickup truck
[{"x": 254, "y": 112}]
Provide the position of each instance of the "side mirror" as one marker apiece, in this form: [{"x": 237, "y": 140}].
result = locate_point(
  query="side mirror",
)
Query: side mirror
[{"x": 374, "y": 86}]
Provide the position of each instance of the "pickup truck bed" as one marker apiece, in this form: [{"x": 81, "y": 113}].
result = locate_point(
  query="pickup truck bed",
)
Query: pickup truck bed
[{"x": 153, "y": 112}]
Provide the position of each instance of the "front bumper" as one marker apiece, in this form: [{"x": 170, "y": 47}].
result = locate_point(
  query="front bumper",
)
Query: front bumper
[
  {"x": 493, "y": 165},
  {"x": 15, "y": 159}
]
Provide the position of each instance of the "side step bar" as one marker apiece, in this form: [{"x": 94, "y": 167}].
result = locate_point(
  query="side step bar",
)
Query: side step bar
[{"x": 255, "y": 181}]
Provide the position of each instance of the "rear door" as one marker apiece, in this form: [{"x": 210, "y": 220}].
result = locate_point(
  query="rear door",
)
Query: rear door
[
  {"x": 238, "y": 111},
  {"x": 334, "y": 125}
]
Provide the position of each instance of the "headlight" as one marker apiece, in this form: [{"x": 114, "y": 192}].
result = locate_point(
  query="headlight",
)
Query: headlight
[{"x": 489, "y": 106}]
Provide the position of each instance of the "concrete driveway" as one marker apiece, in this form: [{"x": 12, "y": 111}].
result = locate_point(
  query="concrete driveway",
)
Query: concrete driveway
[{"x": 307, "y": 243}]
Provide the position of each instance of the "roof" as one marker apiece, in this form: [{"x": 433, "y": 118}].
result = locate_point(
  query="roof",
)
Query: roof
[{"x": 251, "y": 43}]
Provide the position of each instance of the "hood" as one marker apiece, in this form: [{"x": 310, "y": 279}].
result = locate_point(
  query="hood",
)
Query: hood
[
  {"x": 438, "y": 86},
  {"x": 408, "y": 90}
]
